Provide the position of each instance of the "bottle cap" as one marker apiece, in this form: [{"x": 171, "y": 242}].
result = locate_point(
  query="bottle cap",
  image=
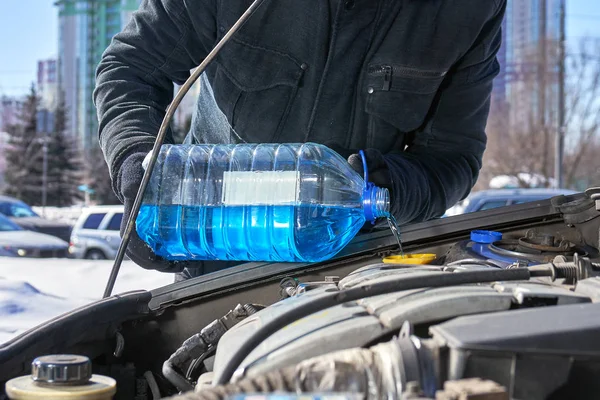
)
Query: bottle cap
[
  {"x": 368, "y": 203},
  {"x": 485, "y": 237},
  {"x": 411, "y": 259},
  {"x": 61, "y": 369}
]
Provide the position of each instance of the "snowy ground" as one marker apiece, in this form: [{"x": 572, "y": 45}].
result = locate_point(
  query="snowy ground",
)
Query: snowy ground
[
  {"x": 67, "y": 215},
  {"x": 35, "y": 290}
]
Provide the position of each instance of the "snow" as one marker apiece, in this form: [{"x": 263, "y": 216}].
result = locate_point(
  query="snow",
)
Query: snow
[
  {"x": 68, "y": 215},
  {"x": 35, "y": 290},
  {"x": 22, "y": 307},
  {"x": 513, "y": 182}
]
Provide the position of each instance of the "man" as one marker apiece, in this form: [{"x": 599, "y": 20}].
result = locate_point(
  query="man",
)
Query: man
[{"x": 407, "y": 80}]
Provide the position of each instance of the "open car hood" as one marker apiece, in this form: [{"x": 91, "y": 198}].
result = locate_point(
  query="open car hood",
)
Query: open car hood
[{"x": 463, "y": 330}]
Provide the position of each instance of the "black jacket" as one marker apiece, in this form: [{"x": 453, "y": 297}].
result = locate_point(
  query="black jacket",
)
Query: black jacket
[{"x": 412, "y": 78}]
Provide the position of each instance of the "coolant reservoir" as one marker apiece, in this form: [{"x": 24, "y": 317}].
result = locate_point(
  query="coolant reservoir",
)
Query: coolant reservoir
[{"x": 65, "y": 377}]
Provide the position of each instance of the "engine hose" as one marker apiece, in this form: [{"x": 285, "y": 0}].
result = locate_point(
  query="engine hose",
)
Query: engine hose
[
  {"x": 283, "y": 380},
  {"x": 379, "y": 372},
  {"x": 177, "y": 379},
  {"x": 152, "y": 385},
  {"x": 412, "y": 281}
]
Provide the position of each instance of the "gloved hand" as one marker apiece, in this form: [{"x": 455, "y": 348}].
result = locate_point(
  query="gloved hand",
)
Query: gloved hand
[
  {"x": 129, "y": 180},
  {"x": 378, "y": 170}
]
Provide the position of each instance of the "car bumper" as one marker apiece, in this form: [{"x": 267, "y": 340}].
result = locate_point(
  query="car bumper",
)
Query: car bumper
[
  {"x": 76, "y": 251},
  {"x": 37, "y": 253}
]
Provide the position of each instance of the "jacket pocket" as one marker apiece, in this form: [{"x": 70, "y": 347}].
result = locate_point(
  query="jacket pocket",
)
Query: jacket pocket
[
  {"x": 255, "y": 88},
  {"x": 398, "y": 101}
]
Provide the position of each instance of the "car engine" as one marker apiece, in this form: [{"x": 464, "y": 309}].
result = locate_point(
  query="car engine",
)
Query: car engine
[
  {"x": 500, "y": 339},
  {"x": 508, "y": 309}
]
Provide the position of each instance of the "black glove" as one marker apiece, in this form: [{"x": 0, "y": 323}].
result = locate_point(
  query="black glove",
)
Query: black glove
[
  {"x": 378, "y": 170},
  {"x": 130, "y": 178},
  {"x": 379, "y": 174}
]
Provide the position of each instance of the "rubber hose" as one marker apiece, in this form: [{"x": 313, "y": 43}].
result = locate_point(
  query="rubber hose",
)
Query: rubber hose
[
  {"x": 283, "y": 380},
  {"x": 152, "y": 385},
  {"x": 175, "y": 377},
  {"x": 411, "y": 281}
]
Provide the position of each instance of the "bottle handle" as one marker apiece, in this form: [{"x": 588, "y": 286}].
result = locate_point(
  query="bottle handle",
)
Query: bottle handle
[{"x": 365, "y": 169}]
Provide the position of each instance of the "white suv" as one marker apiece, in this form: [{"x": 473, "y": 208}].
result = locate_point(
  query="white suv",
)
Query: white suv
[{"x": 96, "y": 235}]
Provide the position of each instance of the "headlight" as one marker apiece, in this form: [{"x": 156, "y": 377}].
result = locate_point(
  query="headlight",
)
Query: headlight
[{"x": 14, "y": 251}]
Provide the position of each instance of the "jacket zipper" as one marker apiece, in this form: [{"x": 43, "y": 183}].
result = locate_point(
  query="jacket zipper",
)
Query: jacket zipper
[{"x": 387, "y": 71}]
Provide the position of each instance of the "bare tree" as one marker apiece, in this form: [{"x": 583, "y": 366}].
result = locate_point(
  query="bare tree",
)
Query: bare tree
[
  {"x": 520, "y": 133},
  {"x": 98, "y": 178},
  {"x": 582, "y": 109}
]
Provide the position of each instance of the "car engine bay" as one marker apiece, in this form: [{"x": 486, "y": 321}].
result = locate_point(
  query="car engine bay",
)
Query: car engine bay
[{"x": 509, "y": 308}]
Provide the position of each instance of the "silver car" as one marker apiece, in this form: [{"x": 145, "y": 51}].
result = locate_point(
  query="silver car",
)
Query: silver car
[
  {"x": 18, "y": 242},
  {"x": 96, "y": 235}
]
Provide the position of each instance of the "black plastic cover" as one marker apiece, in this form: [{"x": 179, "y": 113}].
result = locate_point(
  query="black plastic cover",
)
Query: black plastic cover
[{"x": 541, "y": 353}]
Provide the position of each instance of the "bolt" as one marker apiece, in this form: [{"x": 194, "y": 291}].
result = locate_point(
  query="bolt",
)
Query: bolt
[{"x": 573, "y": 271}]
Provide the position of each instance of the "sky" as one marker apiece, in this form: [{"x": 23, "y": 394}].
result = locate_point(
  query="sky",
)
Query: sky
[{"x": 29, "y": 32}]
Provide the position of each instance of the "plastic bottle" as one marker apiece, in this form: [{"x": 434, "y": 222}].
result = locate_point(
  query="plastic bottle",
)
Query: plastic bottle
[{"x": 255, "y": 202}]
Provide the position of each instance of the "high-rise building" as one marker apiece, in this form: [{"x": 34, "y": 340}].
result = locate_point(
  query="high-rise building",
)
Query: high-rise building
[
  {"x": 10, "y": 110},
  {"x": 47, "y": 84},
  {"x": 86, "y": 29},
  {"x": 47, "y": 90},
  {"x": 526, "y": 90}
]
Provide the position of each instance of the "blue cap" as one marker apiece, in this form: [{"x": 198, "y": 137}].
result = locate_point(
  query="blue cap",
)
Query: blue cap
[
  {"x": 485, "y": 236},
  {"x": 368, "y": 190},
  {"x": 368, "y": 203}
]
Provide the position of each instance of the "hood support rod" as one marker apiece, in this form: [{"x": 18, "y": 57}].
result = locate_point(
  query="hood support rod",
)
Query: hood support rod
[{"x": 161, "y": 137}]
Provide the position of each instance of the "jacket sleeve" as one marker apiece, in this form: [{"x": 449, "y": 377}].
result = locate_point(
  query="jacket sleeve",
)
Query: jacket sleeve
[
  {"x": 442, "y": 165},
  {"x": 134, "y": 80}
]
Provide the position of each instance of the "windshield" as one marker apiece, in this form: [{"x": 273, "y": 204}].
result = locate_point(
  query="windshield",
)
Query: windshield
[
  {"x": 16, "y": 210},
  {"x": 6, "y": 225}
]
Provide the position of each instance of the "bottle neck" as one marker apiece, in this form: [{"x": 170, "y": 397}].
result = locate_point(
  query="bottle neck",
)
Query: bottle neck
[{"x": 376, "y": 202}]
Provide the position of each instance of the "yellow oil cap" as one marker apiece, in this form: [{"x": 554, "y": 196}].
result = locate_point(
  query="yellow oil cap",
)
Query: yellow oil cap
[
  {"x": 411, "y": 259},
  {"x": 97, "y": 388}
]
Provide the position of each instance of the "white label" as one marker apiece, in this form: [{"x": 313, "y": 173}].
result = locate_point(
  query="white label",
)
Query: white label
[{"x": 260, "y": 187}]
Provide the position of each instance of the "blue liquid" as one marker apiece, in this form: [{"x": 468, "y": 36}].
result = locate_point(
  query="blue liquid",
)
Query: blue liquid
[{"x": 305, "y": 233}]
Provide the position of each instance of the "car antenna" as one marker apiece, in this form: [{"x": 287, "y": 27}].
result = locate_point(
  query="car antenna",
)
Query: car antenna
[{"x": 161, "y": 137}]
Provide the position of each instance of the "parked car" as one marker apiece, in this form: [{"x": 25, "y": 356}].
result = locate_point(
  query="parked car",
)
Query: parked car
[
  {"x": 488, "y": 199},
  {"x": 18, "y": 242},
  {"x": 96, "y": 235},
  {"x": 24, "y": 216}
]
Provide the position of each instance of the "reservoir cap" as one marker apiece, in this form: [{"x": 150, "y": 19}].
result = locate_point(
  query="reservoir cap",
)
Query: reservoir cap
[
  {"x": 61, "y": 369},
  {"x": 485, "y": 237},
  {"x": 410, "y": 259}
]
